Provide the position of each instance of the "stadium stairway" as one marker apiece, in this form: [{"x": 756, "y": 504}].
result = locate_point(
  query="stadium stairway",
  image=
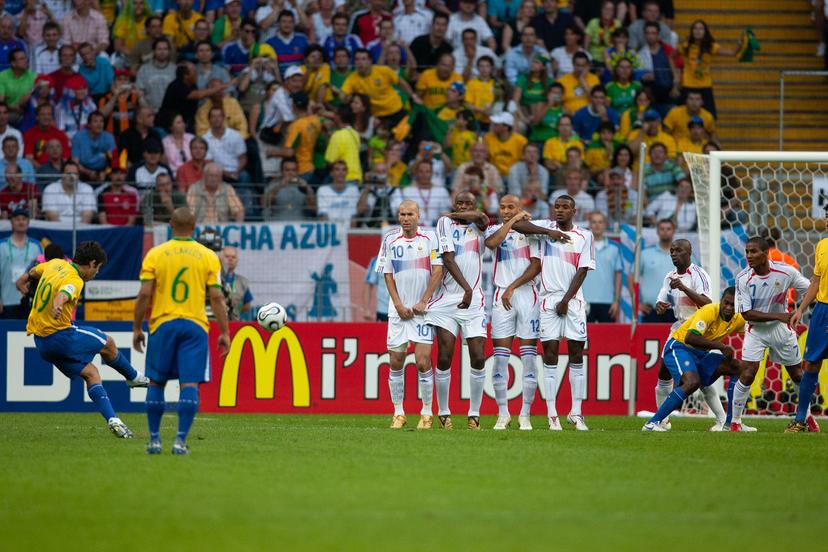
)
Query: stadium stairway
[{"x": 747, "y": 94}]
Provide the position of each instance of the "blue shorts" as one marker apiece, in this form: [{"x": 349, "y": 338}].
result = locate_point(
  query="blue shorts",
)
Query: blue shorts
[
  {"x": 178, "y": 349},
  {"x": 816, "y": 344},
  {"x": 679, "y": 358},
  {"x": 71, "y": 349}
]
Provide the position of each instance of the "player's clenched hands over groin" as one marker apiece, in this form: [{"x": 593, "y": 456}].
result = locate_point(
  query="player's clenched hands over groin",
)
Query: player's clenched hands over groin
[
  {"x": 467, "y": 299},
  {"x": 506, "y": 298},
  {"x": 404, "y": 312},
  {"x": 562, "y": 308},
  {"x": 420, "y": 308}
]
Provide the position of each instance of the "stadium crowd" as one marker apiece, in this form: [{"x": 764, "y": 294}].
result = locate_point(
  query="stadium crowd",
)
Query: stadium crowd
[{"x": 119, "y": 111}]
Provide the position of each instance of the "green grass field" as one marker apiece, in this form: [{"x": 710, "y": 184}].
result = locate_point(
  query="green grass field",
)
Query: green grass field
[{"x": 348, "y": 483}]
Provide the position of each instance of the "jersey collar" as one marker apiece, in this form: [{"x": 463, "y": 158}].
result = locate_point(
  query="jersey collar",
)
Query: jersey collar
[
  {"x": 179, "y": 238},
  {"x": 76, "y": 269}
]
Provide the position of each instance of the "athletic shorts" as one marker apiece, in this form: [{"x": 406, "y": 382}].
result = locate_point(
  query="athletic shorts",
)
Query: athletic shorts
[
  {"x": 816, "y": 344},
  {"x": 178, "y": 349},
  {"x": 444, "y": 313},
  {"x": 402, "y": 332},
  {"x": 522, "y": 321},
  {"x": 777, "y": 337},
  {"x": 70, "y": 350},
  {"x": 679, "y": 358},
  {"x": 554, "y": 327}
]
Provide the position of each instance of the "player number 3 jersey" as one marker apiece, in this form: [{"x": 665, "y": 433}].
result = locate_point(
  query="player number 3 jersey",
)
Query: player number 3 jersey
[
  {"x": 561, "y": 261},
  {"x": 466, "y": 242},
  {"x": 410, "y": 261},
  {"x": 56, "y": 276},
  {"x": 512, "y": 256}
]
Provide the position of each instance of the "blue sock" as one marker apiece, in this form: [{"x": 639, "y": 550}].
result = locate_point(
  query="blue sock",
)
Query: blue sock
[
  {"x": 672, "y": 402},
  {"x": 731, "y": 385},
  {"x": 806, "y": 390},
  {"x": 187, "y": 408},
  {"x": 155, "y": 410},
  {"x": 123, "y": 367},
  {"x": 98, "y": 395}
]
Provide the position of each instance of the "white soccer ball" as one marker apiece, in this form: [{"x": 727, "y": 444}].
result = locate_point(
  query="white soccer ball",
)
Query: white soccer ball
[{"x": 271, "y": 316}]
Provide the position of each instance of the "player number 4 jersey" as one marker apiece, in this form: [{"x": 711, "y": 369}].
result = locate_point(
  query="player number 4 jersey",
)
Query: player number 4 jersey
[
  {"x": 695, "y": 279},
  {"x": 561, "y": 261},
  {"x": 466, "y": 242},
  {"x": 768, "y": 293},
  {"x": 410, "y": 261},
  {"x": 512, "y": 256}
]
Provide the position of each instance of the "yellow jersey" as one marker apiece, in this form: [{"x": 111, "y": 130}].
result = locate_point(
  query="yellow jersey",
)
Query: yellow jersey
[
  {"x": 505, "y": 154},
  {"x": 56, "y": 276},
  {"x": 696, "y": 73},
  {"x": 821, "y": 270},
  {"x": 707, "y": 323},
  {"x": 179, "y": 29},
  {"x": 481, "y": 95},
  {"x": 575, "y": 96},
  {"x": 662, "y": 137},
  {"x": 686, "y": 145},
  {"x": 316, "y": 79},
  {"x": 182, "y": 270},
  {"x": 301, "y": 138},
  {"x": 555, "y": 148},
  {"x": 460, "y": 142},
  {"x": 678, "y": 118},
  {"x": 344, "y": 144},
  {"x": 433, "y": 90},
  {"x": 378, "y": 85}
]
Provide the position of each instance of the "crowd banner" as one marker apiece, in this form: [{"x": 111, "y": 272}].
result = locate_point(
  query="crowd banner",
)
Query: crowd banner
[{"x": 301, "y": 265}]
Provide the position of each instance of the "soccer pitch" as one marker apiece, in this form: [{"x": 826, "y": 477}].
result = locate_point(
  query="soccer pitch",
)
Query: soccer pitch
[{"x": 349, "y": 483}]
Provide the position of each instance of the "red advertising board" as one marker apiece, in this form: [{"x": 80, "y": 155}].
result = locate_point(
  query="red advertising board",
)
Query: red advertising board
[{"x": 343, "y": 368}]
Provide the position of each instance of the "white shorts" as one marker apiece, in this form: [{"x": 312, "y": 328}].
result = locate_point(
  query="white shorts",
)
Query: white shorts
[
  {"x": 554, "y": 327},
  {"x": 402, "y": 332},
  {"x": 777, "y": 337},
  {"x": 522, "y": 320},
  {"x": 443, "y": 313}
]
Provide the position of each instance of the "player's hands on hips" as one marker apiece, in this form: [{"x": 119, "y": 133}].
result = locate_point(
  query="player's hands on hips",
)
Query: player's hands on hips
[
  {"x": 506, "y": 298},
  {"x": 661, "y": 307},
  {"x": 138, "y": 340},
  {"x": 728, "y": 352},
  {"x": 404, "y": 312},
  {"x": 223, "y": 344},
  {"x": 557, "y": 235},
  {"x": 467, "y": 299},
  {"x": 420, "y": 308},
  {"x": 562, "y": 308}
]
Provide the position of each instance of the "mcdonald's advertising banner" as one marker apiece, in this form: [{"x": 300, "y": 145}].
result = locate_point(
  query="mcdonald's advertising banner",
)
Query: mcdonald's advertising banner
[{"x": 323, "y": 368}]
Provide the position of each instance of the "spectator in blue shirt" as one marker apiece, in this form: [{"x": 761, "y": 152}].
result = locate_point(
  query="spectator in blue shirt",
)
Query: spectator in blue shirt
[
  {"x": 656, "y": 263},
  {"x": 289, "y": 46},
  {"x": 587, "y": 119},
  {"x": 11, "y": 150},
  {"x": 340, "y": 37},
  {"x": 93, "y": 149},
  {"x": 8, "y": 42},
  {"x": 602, "y": 287},
  {"x": 374, "y": 279},
  {"x": 96, "y": 70},
  {"x": 516, "y": 62}
]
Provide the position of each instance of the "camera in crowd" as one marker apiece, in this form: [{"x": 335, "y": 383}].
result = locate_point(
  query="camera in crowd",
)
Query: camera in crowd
[{"x": 213, "y": 241}]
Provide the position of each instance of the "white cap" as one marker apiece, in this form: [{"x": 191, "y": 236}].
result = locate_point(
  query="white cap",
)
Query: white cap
[
  {"x": 503, "y": 119},
  {"x": 293, "y": 71}
]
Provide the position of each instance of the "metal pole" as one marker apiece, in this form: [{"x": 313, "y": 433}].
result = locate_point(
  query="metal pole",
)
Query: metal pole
[
  {"x": 74, "y": 214},
  {"x": 639, "y": 224},
  {"x": 782, "y": 110}
]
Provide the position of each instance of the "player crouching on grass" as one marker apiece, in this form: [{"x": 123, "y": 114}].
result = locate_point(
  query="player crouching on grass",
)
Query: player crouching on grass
[
  {"x": 412, "y": 270},
  {"x": 72, "y": 348},
  {"x": 696, "y": 356}
]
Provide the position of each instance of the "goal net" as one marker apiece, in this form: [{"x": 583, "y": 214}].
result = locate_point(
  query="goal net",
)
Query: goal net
[{"x": 776, "y": 195}]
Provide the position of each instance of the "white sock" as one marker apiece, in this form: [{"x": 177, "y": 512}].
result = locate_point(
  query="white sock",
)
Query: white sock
[
  {"x": 396, "y": 384},
  {"x": 711, "y": 397},
  {"x": 425, "y": 381},
  {"x": 662, "y": 390},
  {"x": 549, "y": 375},
  {"x": 740, "y": 395},
  {"x": 443, "y": 379},
  {"x": 576, "y": 385},
  {"x": 530, "y": 378},
  {"x": 500, "y": 379},
  {"x": 477, "y": 380}
]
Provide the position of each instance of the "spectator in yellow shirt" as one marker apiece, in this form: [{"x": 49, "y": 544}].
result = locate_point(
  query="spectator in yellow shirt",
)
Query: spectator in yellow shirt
[
  {"x": 578, "y": 83},
  {"x": 677, "y": 120},
  {"x": 344, "y": 144},
  {"x": 696, "y": 139},
  {"x": 434, "y": 83},
  {"x": 318, "y": 75},
  {"x": 633, "y": 118},
  {"x": 651, "y": 133},
  {"x": 698, "y": 52},
  {"x": 236, "y": 119},
  {"x": 505, "y": 147},
  {"x": 179, "y": 25},
  {"x": 377, "y": 82},
  {"x": 480, "y": 91},
  {"x": 460, "y": 138},
  {"x": 301, "y": 136},
  {"x": 554, "y": 149}
]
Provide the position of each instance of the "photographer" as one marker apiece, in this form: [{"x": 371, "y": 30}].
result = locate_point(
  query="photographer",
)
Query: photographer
[
  {"x": 289, "y": 198},
  {"x": 236, "y": 287},
  {"x": 212, "y": 240},
  {"x": 17, "y": 252}
]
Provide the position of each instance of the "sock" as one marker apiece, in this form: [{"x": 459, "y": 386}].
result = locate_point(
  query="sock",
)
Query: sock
[
  {"x": 672, "y": 402},
  {"x": 425, "y": 380},
  {"x": 155, "y": 410},
  {"x": 731, "y": 384},
  {"x": 662, "y": 389},
  {"x": 576, "y": 385},
  {"x": 443, "y": 379},
  {"x": 98, "y": 395},
  {"x": 806, "y": 390},
  {"x": 396, "y": 384},
  {"x": 187, "y": 409},
  {"x": 477, "y": 380},
  {"x": 123, "y": 367},
  {"x": 711, "y": 397},
  {"x": 500, "y": 379},
  {"x": 549, "y": 375},
  {"x": 740, "y": 395},
  {"x": 530, "y": 377}
]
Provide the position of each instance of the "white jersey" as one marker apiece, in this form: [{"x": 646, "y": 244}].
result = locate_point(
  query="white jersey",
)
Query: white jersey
[
  {"x": 768, "y": 293},
  {"x": 561, "y": 261},
  {"x": 410, "y": 261},
  {"x": 512, "y": 256},
  {"x": 466, "y": 242},
  {"x": 683, "y": 307}
]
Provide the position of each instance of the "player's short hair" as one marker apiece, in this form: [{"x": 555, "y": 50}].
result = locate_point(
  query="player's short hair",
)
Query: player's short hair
[
  {"x": 567, "y": 197},
  {"x": 759, "y": 241},
  {"x": 89, "y": 251},
  {"x": 730, "y": 290},
  {"x": 52, "y": 251}
]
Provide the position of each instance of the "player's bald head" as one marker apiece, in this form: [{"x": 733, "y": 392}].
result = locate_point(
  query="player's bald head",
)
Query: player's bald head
[
  {"x": 183, "y": 221},
  {"x": 410, "y": 205},
  {"x": 684, "y": 244},
  {"x": 511, "y": 198}
]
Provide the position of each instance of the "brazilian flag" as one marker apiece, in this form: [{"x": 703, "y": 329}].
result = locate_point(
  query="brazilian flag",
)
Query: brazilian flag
[
  {"x": 748, "y": 46},
  {"x": 423, "y": 123}
]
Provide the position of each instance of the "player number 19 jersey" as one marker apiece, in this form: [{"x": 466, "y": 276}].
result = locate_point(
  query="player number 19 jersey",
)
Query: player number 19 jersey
[
  {"x": 512, "y": 256},
  {"x": 561, "y": 261}
]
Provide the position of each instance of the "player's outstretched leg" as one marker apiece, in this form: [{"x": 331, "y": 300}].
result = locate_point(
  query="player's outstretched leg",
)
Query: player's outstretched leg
[
  {"x": 577, "y": 383},
  {"x": 99, "y": 396},
  {"x": 528, "y": 356},
  {"x": 187, "y": 410},
  {"x": 477, "y": 379},
  {"x": 807, "y": 387},
  {"x": 550, "y": 369},
  {"x": 663, "y": 388},
  {"x": 689, "y": 385},
  {"x": 711, "y": 397},
  {"x": 155, "y": 411},
  {"x": 396, "y": 386},
  {"x": 500, "y": 382},
  {"x": 113, "y": 357},
  {"x": 425, "y": 383},
  {"x": 741, "y": 392},
  {"x": 796, "y": 373}
]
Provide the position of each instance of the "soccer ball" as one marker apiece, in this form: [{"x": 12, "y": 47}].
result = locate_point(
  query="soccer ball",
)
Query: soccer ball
[{"x": 271, "y": 316}]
